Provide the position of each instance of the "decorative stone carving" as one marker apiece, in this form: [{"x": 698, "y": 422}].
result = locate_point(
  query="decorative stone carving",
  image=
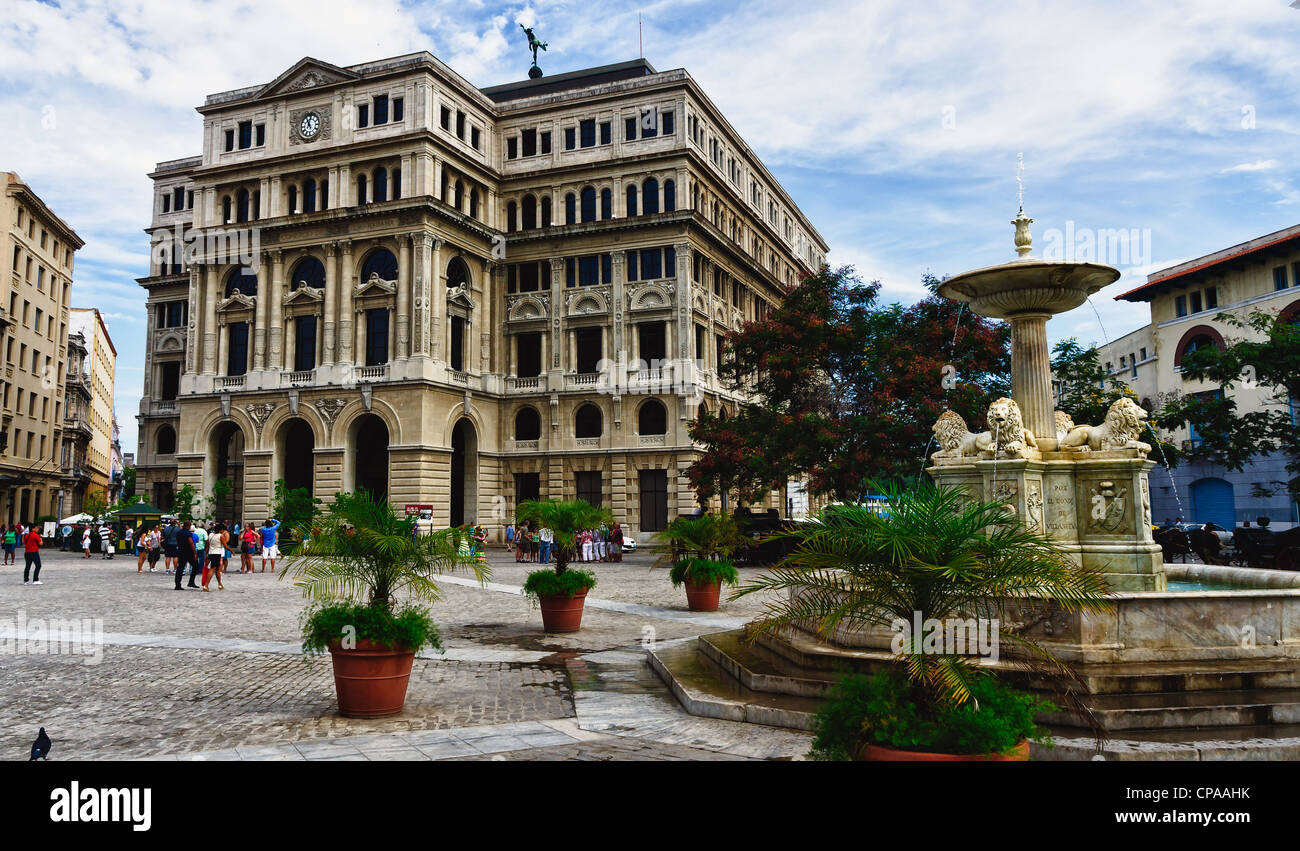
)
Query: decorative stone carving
[
  {"x": 1034, "y": 506},
  {"x": 1007, "y": 428},
  {"x": 1120, "y": 430},
  {"x": 259, "y": 413},
  {"x": 1064, "y": 423},
  {"x": 295, "y": 122},
  {"x": 1107, "y": 508},
  {"x": 954, "y": 438},
  {"x": 1008, "y": 435},
  {"x": 329, "y": 410},
  {"x": 375, "y": 285}
]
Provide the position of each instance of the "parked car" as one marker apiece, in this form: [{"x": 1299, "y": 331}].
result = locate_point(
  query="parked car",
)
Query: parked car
[{"x": 629, "y": 544}]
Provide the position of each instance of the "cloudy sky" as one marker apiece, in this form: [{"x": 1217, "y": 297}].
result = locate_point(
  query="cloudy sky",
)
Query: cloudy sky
[{"x": 895, "y": 125}]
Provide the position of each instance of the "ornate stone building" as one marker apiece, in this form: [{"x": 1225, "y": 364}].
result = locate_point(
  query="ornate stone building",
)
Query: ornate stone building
[
  {"x": 383, "y": 277},
  {"x": 34, "y": 336}
]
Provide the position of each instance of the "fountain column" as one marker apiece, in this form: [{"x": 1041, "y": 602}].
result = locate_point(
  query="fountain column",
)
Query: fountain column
[{"x": 1031, "y": 372}]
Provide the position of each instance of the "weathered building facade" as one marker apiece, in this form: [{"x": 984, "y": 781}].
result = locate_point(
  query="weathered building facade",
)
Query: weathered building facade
[{"x": 382, "y": 277}]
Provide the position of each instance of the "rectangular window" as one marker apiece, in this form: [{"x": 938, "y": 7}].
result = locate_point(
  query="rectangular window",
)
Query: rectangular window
[
  {"x": 445, "y": 118},
  {"x": 529, "y": 279},
  {"x": 588, "y": 128},
  {"x": 245, "y": 135},
  {"x": 261, "y": 135},
  {"x": 629, "y": 129},
  {"x": 1196, "y": 302},
  {"x": 607, "y": 268},
  {"x": 189, "y": 205},
  {"x": 589, "y": 343},
  {"x": 474, "y": 138},
  {"x": 376, "y": 336},
  {"x": 1144, "y": 354},
  {"x": 529, "y": 141},
  {"x": 304, "y": 343},
  {"x": 632, "y": 267},
  {"x": 398, "y": 103},
  {"x": 651, "y": 264},
  {"x": 512, "y": 148},
  {"x": 460, "y": 125},
  {"x": 654, "y": 499},
  {"x": 651, "y": 341},
  {"x": 528, "y": 355},
  {"x": 237, "y": 356},
  {"x": 1211, "y": 298},
  {"x": 1180, "y": 305},
  {"x": 167, "y": 203},
  {"x": 588, "y": 271},
  {"x": 570, "y": 272},
  {"x": 381, "y": 109},
  {"x": 176, "y": 311},
  {"x": 570, "y": 139},
  {"x": 1279, "y": 278},
  {"x": 363, "y": 115},
  {"x": 668, "y": 125},
  {"x": 546, "y": 142},
  {"x": 606, "y": 133},
  {"x": 171, "y": 380},
  {"x": 230, "y": 140},
  {"x": 528, "y": 486},
  {"x": 589, "y": 486},
  {"x": 179, "y": 195},
  {"x": 457, "y": 349}
]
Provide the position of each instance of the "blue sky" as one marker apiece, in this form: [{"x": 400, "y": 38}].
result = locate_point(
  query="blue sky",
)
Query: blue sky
[{"x": 894, "y": 125}]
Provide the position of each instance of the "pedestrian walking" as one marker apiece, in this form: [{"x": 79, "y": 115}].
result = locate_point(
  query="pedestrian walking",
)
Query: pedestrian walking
[
  {"x": 217, "y": 540},
  {"x": 186, "y": 554},
  {"x": 616, "y": 543},
  {"x": 155, "y": 548},
  {"x": 247, "y": 541},
  {"x": 31, "y": 556},
  {"x": 85, "y": 542},
  {"x": 170, "y": 534},
  {"x": 510, "y": 536},
  {"x": 105, "y": 541},
  {"x": 545, "y": 540},
  {"x": 10, "y": 543}
]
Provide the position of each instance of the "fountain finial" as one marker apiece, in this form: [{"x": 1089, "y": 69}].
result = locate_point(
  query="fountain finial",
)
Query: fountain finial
[{"x": 1024, "y": 241}]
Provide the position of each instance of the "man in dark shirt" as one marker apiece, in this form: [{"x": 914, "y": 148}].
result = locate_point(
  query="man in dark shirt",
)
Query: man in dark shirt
[{"x": 171, "y": 551}]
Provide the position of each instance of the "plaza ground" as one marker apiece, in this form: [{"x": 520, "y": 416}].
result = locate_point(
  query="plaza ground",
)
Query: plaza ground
[{"x": 220, "y": 675}]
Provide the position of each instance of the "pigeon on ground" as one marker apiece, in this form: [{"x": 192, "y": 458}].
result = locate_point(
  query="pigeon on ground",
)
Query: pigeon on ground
[{"x": 40, "y": 747}]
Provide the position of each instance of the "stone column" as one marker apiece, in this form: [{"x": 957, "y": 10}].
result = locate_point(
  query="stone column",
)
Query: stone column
[
  {"x": 274, "y": 198},
  {"x": 1031, "y": 372},
  {"x": 683, "y": 335},
  {"x": 275, "y": 308},
  {"x": 437, "y": 178},
  {"x": 558, "y": 349},
  {"x": 344, "y": 196},
  {"x": 420, "y": 330},
  {"x": 346, "y": 284},
  {"x": 290, "y": 348},
  {"x": 192, "y": 360},
  {"x": 223, "y": 341},
  {"x": 210, "y": 320},
  {"x": 435, "y": 298},
  {"x": 331, "y": 300},
  {"x": 258, "y": 361},
  {"x": 408, "y": 179},
  {"x": 402, "y": 319}
]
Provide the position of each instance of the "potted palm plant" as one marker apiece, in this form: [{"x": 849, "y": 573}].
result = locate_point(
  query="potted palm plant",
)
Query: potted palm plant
[
  {"x": 560, "y": 592},
  {"x": 700, "y": 557},
  {"x": 930, "y": 556},
  {"x": 368, "y": 575}
]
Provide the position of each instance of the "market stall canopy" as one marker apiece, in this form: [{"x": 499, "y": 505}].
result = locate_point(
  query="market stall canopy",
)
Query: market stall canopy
[{"x": 77, "y": 518}]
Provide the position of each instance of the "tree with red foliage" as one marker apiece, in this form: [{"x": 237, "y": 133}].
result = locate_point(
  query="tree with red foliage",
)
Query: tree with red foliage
[{"x": 844, "y": 390}]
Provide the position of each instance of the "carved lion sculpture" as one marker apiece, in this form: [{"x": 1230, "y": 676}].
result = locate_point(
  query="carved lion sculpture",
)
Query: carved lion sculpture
[
  {"x": 954, "y": 438},
  {"x": 1007, "y": 429},
  {"x": 1064, "y": 423},
  {"x": 1120, "y": 430}
]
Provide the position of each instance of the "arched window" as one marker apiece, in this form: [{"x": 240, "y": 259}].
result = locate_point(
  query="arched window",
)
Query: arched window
[
  {"x": 225, "y": 209},
  {"x": 457, "y": 273},
  {"x": 473, "y": 202},
  {"x": 166, "y": 441},
  {"x": 361, "y": 189},
  {"x": 236, "y": 280},
  {"x": 528, "y": 424},
  {"x": 606, "y": 204},
  {"x": 512, "y": 217},
  {"x": 588, "y": 422},
  {"x": 652, "y": 418},
  {"x": 293, "y": 200},
  {"x": 397, "y": 183},
  {"x": 631, "y": 199},
  {"x": 381, "y": 184},
  {"x": 309, "y": 271},
  {"x": 530, "y": 212},
  {"x": 546, "y": 211},
  {"x": 380, "y": 262},
  {"x": 650, "y": 196},
  {"x": 460, "y": 194},
  {"x": 670, "y": 196},
  {"x": 588, "y": 204},
  {"x": 309, "y": 196},
  {"x": 570, "y": 209},
  {"x": 1201, "y": 341},
  {"x": 241, "y": 204}
]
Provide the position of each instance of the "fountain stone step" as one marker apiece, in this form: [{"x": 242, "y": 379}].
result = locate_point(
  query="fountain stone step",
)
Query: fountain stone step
[
  {"x": 761, "y": 670},
  {"x": 1231, "y": 708},
  {"x": 704, "y": 688}
]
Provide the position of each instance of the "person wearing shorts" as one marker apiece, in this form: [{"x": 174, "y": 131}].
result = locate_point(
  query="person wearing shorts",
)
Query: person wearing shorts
[
  {"x": 217, "y": 538},
  {"x": 31, "y": 556},
  {"x": 270, "y": 542},
  {"x": 10, "y": 542},
  {"x": 171, "y": 550}
]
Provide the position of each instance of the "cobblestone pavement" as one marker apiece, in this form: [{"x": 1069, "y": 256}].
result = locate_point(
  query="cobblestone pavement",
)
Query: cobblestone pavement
[{"x": 191, "y": 675}]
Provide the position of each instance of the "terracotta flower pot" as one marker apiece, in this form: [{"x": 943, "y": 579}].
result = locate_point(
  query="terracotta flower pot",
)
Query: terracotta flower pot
[
  {"x": 880, "y": 753},
  {"x": 702, "y": 596},
  {"x": 371, "y": 680},
  {"x": 561, "y": 613}
]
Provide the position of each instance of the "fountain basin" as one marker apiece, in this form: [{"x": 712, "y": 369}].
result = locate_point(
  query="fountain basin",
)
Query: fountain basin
[{"x": 1030, "y": 286}]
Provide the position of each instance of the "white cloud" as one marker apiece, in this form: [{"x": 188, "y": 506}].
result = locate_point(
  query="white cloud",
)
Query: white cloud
[{"x": 1257, "y": 165}]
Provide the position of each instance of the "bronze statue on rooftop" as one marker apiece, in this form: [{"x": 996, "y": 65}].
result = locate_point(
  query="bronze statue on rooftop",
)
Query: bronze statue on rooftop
[{"x": 534, "y": 44}]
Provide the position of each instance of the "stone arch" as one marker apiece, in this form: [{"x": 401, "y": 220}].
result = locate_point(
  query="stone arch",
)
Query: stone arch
[
  {"x": 458, "y": 273},
  {"x": 463, "y": 502},
  {"x": 528, "y": 307},
  {"x": 381, "y": 257},
  {"x": 527, "y": 423},
  {"x": 293, "y": 457},
  {"x": 652, "y": 417},
  {"x": 301, "y": 269},
  {"x": 1191, "y": 334},
  {"x": 1290, "y": 313},
  {"x": 199, "y": 442},
  {"x": 354, "y": 410}
]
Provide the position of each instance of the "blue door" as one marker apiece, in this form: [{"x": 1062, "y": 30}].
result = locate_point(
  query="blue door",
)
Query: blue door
[{"x": 1212, "y": 502}]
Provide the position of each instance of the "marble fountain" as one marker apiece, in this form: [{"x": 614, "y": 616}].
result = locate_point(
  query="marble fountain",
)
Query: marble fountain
[{"x": 1201, "y": 674}]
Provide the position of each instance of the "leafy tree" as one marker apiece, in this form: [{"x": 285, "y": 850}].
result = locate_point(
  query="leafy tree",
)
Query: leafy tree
[
  {"x": 1231, "y": 438},
  {"x": 845, "y": 390},
  {"x": 221, "y": 490},
  {"x": 95, "y": 504},
  {"x": 128, "y": 483},
  {"x": 185, "y": 503},
  {"x": 295, "y": 508},
  {"x": 1087, "y": 391}
]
